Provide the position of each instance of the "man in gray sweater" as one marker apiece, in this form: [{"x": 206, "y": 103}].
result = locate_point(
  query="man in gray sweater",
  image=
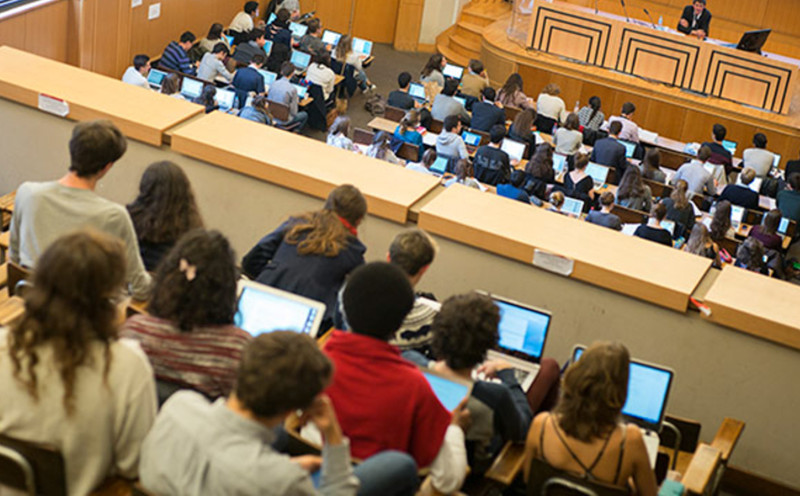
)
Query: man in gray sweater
[
  {"x": 449, "y": 143},
  {"x": 45, "y": 211}
]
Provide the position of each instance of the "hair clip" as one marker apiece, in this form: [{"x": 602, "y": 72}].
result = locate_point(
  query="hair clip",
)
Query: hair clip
[{"x": 190, "y": 271}]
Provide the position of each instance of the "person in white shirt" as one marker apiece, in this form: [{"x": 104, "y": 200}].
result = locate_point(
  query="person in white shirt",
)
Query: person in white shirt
[
  {"x": 243, "y": 21},
  {"x": 211, "y": 64},
  {"x": 344, "y": 53},
  {"x": 425, "y": 165},
  {"x": 137, "y": 73},
  {"x": 630, "y": 130},
  {"x": 549, "y": 104},
  {"x": 568, "y": 138},
  {"x": 338, "y": 134},
  {"x": 759, "y": 158},
  {"x": 320, "y": 72}
]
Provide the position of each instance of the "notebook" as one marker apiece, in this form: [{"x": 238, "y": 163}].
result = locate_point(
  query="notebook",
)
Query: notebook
[
  {"x": 191, "y": 88},
  {"x": 300, "y": 60},
  {"x": 559, "y": 163},
  {"x": 598, "y": 173},
  {"x": 450, "y": 392},
  {"x": 331, "y": 37},
  {"x": 730, "y": 146},
  {"x": 471, "y": 139},
  {"x": 417, "y": 91},
  {"x": 302, "y": 91},
  {"x": 439, "y": 166},
  {"x": 515, "y": 149},
  {"x": 364, "y": 47},
  {"x": 453, "y": 71},
  {"x": 263, "y": 309},
  {"x": 572, "y": 207},
  {"x": 155, "y": 78},
  {"x": 225, "y": 99},
  {"x": 269, "y": 77},
  {"x": 298, "y": 30},
  {"x": 630, "y": 147},
  {"x": 267, "y": 47}
]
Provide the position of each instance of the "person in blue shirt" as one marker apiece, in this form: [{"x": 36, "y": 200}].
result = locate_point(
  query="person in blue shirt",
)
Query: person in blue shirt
[
  {"x": 257, "y": 111},
  {"x": 514, "y": 189},
  {"x": 248, "y": 79},
  {"x": 406, "y": 132},
  {"x": 176, "y": 57}
]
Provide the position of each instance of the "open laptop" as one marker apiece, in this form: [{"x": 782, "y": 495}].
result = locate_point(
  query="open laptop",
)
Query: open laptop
[
  {"x": 523, "y": 332},
  {"x": 229, "y": 39},
  {"x": 417, "y": 91},
  {"x": 461, "y": 100},
  {"x": 269, "y": 77},
  {"x": 737, "y": 216},
  {"x": 155, "y": 78},
  {"x": 448, "y": 390},
  {"x": 272, "y": 17},
  {"x": 648, "y": 391},
  {"x": 776, "y": 160},
  {"x": 267, "y": 48},
  {"x": 300, "y": 60},
  {"x": 453, "y": 71},
  {"x": 572, "y": 207},
  {"x": 331, "y": 37},
  {"x": 439, "y": 166},
  {"x": 472, "y": 140},
  {"x": 598, "y": 173},
  {"x": 363, "y": 47},
  {"x": 225, "y": 99},
  {"x": 783, "y": 227},
  {"x": 191, "y": 88},
  {"x": 559, "y": 163},
  {"x": 515, "y": 149},
  {"x": 630, "y": 147},
  {"x": 730, "y": 146},
  {"x": 263, "y": 309},
  {"x": 669, "y": 225},
  {"x": 302, "y": 91},
  {"x": 298, "y": 30}
]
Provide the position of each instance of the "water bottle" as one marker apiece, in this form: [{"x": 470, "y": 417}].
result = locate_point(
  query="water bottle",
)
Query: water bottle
[
  {"x": 577, "y": 106},
  {"x": 660, "y": 23}
]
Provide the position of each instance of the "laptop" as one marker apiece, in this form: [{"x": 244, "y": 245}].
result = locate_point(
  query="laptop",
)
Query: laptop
[
  {"x": 453, "y": 71},
  {"x": 737, "y": 216},
  {"x": 417, "y": 91},
  {"x": 439, "y": 166},
  {"x": 523, "y": 332},
  {"x": 155, "y": 78},
  {"x": 300, "y": 60},
  {"x": 263, "y": 309},
  {"x": 364, "y": 47},
  {"x": 648, "y": 391},
  {"x": 331, "y": 37},
  {"x": 730, "y": 146},
  {"x": 269, "y": 77},
  {"x": 225, "y": 99},
  {"x": 572, "y": 207},
  {"x": 298, "y": 30},
  {"x": 783, "y": 227},
  {"x": 598, "y": 173},
  {"x": 630, "y": 147},
  {"x": 191, "y": 88},
  {"x": 229, "y": 39},
  {"x": 559, "y": 163},
  {"x": 272, "y": 17},
  {"x": 755, "y": 185},
  {"x": 461, "y": 100},
  {"x": 776, "y": 160},
  {"x": 669, "y": 225},
  {"x": 268, "y": 47},
  {"x": 448, "y": 390},
  {"x": 471, "y": 139},
  {"x": 515, "y": 149},
  {"x": 302, "y": 91}
]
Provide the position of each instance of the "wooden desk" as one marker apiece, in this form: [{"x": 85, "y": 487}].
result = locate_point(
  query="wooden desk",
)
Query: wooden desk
[
  {"x": 756, "y": 304},
  {"x": 301, "y": 164},
  {"x": 11, "y": 310},
  {"x": 628, "y": 265},
  {"x": 140, "y": 114}
]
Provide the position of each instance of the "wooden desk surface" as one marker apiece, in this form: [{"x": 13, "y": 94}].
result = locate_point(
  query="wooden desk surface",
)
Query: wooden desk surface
[
  {"x": 629, "y": 265},
  {"x": 140, "y": 114},
  {"x": 301, "y": 164},
  {"x": 756, "y": 304}
]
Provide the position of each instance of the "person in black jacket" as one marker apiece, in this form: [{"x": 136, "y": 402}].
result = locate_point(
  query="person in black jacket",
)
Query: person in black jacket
[
  {"x": 487, "y": 114},
  {"x": 400, "y": 98},
  {"x": 719, "y": 155},
  {"x": 492, "y": 165},
  {"x": 653, "y": 230},
  {"x": 695, "y": 19},
  {"x": 245, "y": 51},
  {"x": 741, "y": 194},
  {"x": 610, "y": 152}
]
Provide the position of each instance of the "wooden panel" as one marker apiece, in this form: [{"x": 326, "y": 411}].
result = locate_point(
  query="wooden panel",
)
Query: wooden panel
[
  {"x": 41, "y": 30},
  {"x": 409, "y": 24},
  {"x": 775, "y": 17},
  {"x": 561, "y": 32},
  {"x": 659, "y": 56},
  {"x": 664, "y": 118},
  {"x": 375, "y": 21},
  {"x": 335, "y": 14},
  {"x": 12, "y": 32}
]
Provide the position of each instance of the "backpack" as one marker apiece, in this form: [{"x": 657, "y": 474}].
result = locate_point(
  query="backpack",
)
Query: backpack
[{"x": 375, "y": 105}]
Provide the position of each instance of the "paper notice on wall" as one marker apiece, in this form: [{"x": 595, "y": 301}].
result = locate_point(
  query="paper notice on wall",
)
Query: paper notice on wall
[
  {"x": 135, "y": 3},
  {"x": 553, "y": 263},
  {"x": 53, "y": 105},
  {"x": 154, "y": 11}
]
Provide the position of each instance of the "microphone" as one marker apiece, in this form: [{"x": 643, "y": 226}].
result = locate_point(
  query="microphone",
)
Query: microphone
[
  {"x": 595, "y": 7},
  {"x": 625, "y": 9},
  {"x": 650, "y": 17}
]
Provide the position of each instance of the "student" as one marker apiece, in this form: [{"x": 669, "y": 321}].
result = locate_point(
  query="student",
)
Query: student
[
  {"x": 344, "y": 53},
  {"x": 243, "y": 21},
  {"x": 211, "y": 65},
  {"x": 700, "y": 243},
  {"x": 522, "y": 130},
  {"x": 556, "y": 202},
  {"x": 610, "y": 152},
  {"x": 741, "y": 194},
  {"x": 208, "y": 98},
  {"x": 630, "y": 130},
  {"x": 248, "y": 80},
  {"x": 604, "y": 217},
  {"x": 137, "y": 73},
  {"x": 464, "y": 175},
  {"x": 487, "y": 113},
  {"x": 568, "y": 138},
  {"x": 255, "y": 46},
  {"x": 311, "y": 254},
  {"x": 339, "y": 134},
  {"x": 679, "y": 208},
  {"x": 175, "y": 56},
  {"x": 66, "y": 379},
  {"x": 720, "y": 227},
  {"x": 278, "y": 32},
  {"x": 445, "y": 103},
  {"x": 719, "y": 155},
  {"x": 695, "y": 19},
  {"x": 282, "y": 91},
  {"x": 583, "y": 435},
  {"x": 432, "y": 72},
  {"x": 197, "y": 447},
  {"x": 319, "y": 72},
  {"x": 258, "y": 111},
  {"x": 406, "y": 132},
  {"x": 311, "y": 42},
  {"x": 214, "y": 36},
  {"x": 45, "y": 211},
  {"x": 549, "y": 104},
  {"x": 449, "y": 143},
  {"x": 540, "y": 166},
  {"x": 788, "y": 199},
  {"x": 512, "y": 95},
  {"x": 163, "y": 211},
  {"x": 696, "y": 176},
  {"x": 750, "y": 256},
  {"x": 767, "y": 232},
  {"x": 633, "y": 193},
  {"x": 188, "y": 333},
  {"x": 578, "y": 183},
  {"x": 400, "y": 98},
  {"x": 492, "y": 165},
  {"x": 513, "y": 189},
  {"x": 383, "y": 402},
  {"x": 653, "y": 230},
  {"x": 758, "y": 158},
  {"x": 590, "y": 116},
  {"x": 424, "y": 166},
  {"x": 651, "y": 166},
  {"x": 381, "y": 148},
  {"x": 413, "y": 251},
  {"x": 171, "y": 85},
  {"x": 474, "y": 80}
]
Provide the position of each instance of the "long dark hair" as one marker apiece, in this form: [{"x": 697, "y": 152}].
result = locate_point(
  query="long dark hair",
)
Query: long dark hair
[
  {"x": 323, "y": 232},
  {"x": 434, "y": 64},
  {"x": 721, "y": 221},
  {"x": 464, "y": 170},
  {"x": 171, "y": 84},
  {"x": 594, "y": 102},
  {"x": 165, "y": 208},
  {"x": 195, "y": 284},
  {"x": 513, "y": 84},
  {"x": 70, "y": 306},
  {"x": 631, "y": 185},
  {"x": 541, "y": 164},
  {"x": 380, "y": 146},
  {"x": 215, "y": 32},
  {"x": 523, "y": 123}
]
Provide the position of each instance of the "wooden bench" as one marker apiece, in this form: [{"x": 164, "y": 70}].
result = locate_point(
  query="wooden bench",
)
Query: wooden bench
[{"x": 6, "y": 209}]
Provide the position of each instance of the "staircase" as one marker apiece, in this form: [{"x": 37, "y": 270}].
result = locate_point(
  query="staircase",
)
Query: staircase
[{"x": 461, "y": 42}]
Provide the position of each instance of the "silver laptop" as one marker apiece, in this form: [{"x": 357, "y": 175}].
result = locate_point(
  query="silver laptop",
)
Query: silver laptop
[
  {"x": 191, "y": 88},
  {"x": 599, "y": 173},
  {"x": 572, "y": 207},
  {"x": 515, "y": 149},
  {"x": 417, "y": 91},
  {"x": 448, "y": 390},
  {"x": 263, "y": 309},
  {"x": 225, "y": 99},
  {"x": 331, "y": 37},
  {"x": 155, "y": 78},
  {"x": 453, "y": 71}
]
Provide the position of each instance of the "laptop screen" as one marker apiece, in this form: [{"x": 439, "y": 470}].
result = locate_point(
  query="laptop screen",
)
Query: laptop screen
[
  {"x": 265, "y": 309},
  {"x": 522, "y": 329},
  {"x": 737, "y": 215},
  {"x": 783, "y": 226},
  {"x": 730, "y": 146},
  {"x": 471, "y": 139},
  {"x": 515, "y": 149},
  {"x": 453, "y": 71},
  {"x": 598, "y": 173},
  {"x": 156, "y": 77},
  {"x": 363, "y": 47},
  {"x": 461, "y": 100},
  {"x": 191, "y": 87},
  {"x": 229, "y": 39},
  {"x": 629, "y": 148},
  {"x": 267, "y": 47},
  {"x": 331, "y": 37},
  {"x": 776, "y": 160},
  {"x": 298, "y": 30},
  {"x": 559, "y": 163},
  {"x": 272, "y": 17},
  {"x": 417, "y": 91},
  {"x": 269, "y": 77},
  {"x": 301, "y": 60},
  {"x": 669, "y": 226},
  {"x": 439, "y": 166},
  {"x": 449, "y": 393},
  {"x": 648, "y": 391},
  {"x": 225, "y": 99},
  {"x": 302, "y": 91},
  {"x": 572, "y": 206}
]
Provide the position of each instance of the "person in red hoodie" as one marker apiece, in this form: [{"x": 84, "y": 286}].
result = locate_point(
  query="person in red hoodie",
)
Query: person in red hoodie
[{"x": 383, "y": 401}]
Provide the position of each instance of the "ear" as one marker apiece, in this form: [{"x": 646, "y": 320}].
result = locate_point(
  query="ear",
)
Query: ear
[
  {"x": 388, "y": 258},
  {"x": 423, "y": 270}
]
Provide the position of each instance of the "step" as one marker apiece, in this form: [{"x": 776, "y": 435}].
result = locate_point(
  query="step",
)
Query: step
[
  {"x": 469, "y": 34},
  {"x": 451, "y": 55},
  {"x": 464, "y": 53},
  {"x": 468, "y": 45},
  {"x": 476, "y": 19}
]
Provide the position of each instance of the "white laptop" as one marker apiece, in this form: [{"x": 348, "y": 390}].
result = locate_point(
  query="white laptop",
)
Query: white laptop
[
  {"x": 598, "y": 173},
  {"x": 648, "y": 391},
  {"x": 450, "y": 391},
  {"x": 155, "y": 78},
  {"x": 300, "y": 60},
  {"x": 515, "y": 149},
  {"x": 331, "y": 37},
  {"x": 572, "y": 207},
  {"x": 364, "y": 47},
  {"x": 191, "y": 88},
  {"x": 269, "y": 77},
  {"x": 263, "y": 309},
  {"x": 298, "y": 30},
  {"x": 417, "y": 91},
  {"x": 559, "y": 163},
  {"x": 783, "y": 227},
  {"x": 776, "y": 160},
  {"x": 225, "y": 99},
  {"x": 453, "y": 71},
  {"x": 267, "y": 48}
]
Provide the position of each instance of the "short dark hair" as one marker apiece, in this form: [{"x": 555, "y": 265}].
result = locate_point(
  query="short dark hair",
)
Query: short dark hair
[
  {"x": 287, "y": 69},
  {"x": 489, "y": 93},
  {"x": 259, "y": 59},
  {"x": 140, "y": 61},
  {"x": 497, "y": 133},
  {"x": 412, "y": 250},
  {"x": 517, "y": 178},
  {"x": 794, "y": 181},
  {"x": 607, "y": 198},
  {"x": 188, "y": 37},
  {"x": 281, "y": 372},
  {"x": 450, "y": 87},
  {"x": 282, "y": 16},
  {"x": 404, "y": 79},
  {"x": 221, "y": 48},
  {"x": 659, "y": 211},
  {"x": 250, "y": 7},
  {"x": 628, "y": 108},
  {"x": 476, "y": 66},
  {"x": 257, "y": 33},
  {"x": 615, "y": 128},
  {"x": 465, "y": 329},
  {"x": 719, "y": 132},
  {"x": 376, "y": 299},
  {"x": 760, "y": 140},
  {"x": 313, "y": 25},
  {"x": 451, "y": 122},
  {"x": 704, "y": 153},
  {"x": 94, "y": 145}
]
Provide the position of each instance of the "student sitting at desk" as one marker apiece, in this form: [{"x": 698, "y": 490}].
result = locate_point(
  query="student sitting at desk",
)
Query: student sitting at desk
[
  {"x": 474, "y": 80},
  {"x": 630, "y": 130},
  {"x": 319, "y": 72},
  {"x": 487, "y": 113},
  {"x": 522, "y": 130},
  {"x": 243, "y": 21},
  {"x": 556, "y": 201},
  {"x": 653, "y": 230},
  {"x": 767, "y": 232},
  {"x": 464, "y": 175},
  {"x": 137, "y": 73},
  {"x": 741, "y": 194},
  {"x": 248, "y": 79},
  {"x": 583, "y": 435},
  {"x": 540, "y": 166},
  {"x": 208, "y": 98},
  {"x": 492, "y": 165},
  {"x": 590, "y": 116},
  {"x": 549, "y": 104},
  {"x": 255, "y": 46},
  {"x": 188, "y": 334},
  {"x": 679, "y": 208},
  {"x": 400, "y": 98},
  {"x": 758, "y": 158},
  {"x": 383, "y": 402},
  {"x": 345, "y": 54},
  {"x": 171, "y": 85},
  {"x": 750, "y": 256},
  {"x": 406, "y": 132},
  {"x": 424, "y": 166},
  {"x": 610, "y": 152},
  {"x": 449, "y": 143},
  {"x": 788, "y": 200},
  {"x": 257, "y": 111},
  {"x": 381, "y": 148},
  {"x": 651, "y": 166},
  {"x": 278, "y": 32},
  {"x": 311, "y": 42},
  {"x": 512, "y": 95},
  {"x": 432, "y": 72},
  {"x": 696, "y": 175},
  {"x": 700, "y": 243},
  {"x": 721, "y": 227},
  {"x": 513, "y": 189},
  {"x": 445, "y": 103},
  {"x": 632, "y": 192},
  {"x": 175, "y": 56},
  {"x": 339, "y": 134},
  {"x": 719, "y": 155},
  {"x": 578, "y": 183},
  {"x": 567, "y": 138},
  {"x": 604, "y": 217},
  {"x": 282, "y": 91},
  {"x": 215, "y": 35},
  {"x": 211, "y": 65}
]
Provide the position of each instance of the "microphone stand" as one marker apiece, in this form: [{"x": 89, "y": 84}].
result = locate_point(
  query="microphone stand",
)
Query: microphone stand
[
  {"x": 651, "y": 18},
  {"x": 625, "y": 9}
]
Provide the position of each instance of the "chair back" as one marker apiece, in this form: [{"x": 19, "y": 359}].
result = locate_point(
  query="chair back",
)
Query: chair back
[
  {"x": 548, "y": 481},
  {"x": 279, "y": 111},
  {"x": 545, "y": 124},
  {"x": 394, "y": 114},
  {"x": 436, "y": 126},
  {"x": 512, "y": 112},
  {"x": 659, "y": 190},
  {"x": 363, "y": 136},
  {"x": 408, "y": 152},
  {"x": 629, "y": 215},
  {"x": 16, "y": 274},
  {"x": 36, "y": 469},
  {"x": 729, "y": 245}
]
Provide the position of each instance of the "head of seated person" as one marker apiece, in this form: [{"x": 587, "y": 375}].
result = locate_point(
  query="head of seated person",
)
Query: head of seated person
[
  {"x": 541, "y": 164},
  {"x": 221, "y": 51},
  {"x": 747, "y": 176},
  {"x": 287, "y": 70},
  {"x": 606, "y": 201},
  {"x": 614, "y": 129},
  {"x": 314, "y": 27},
  {"x": 557, "y": 199},
  {"x": 282, "y": 18},
  {"x": 628, "y": 109},
  {"x": 376, "y": 300},
  {"x": 517, "y": 178},
  {"x": 187, "y": 40},
  {"x": 497, "y": 134},
  {"x": 524, "y": 123},
  {"x": 750, "y": 255},
  {"x": 704, "y": 153},
  {"x": 340, "y": 126},
  {"x": 475, "y": 67},
  {"x": 321, "y": 58},
  {"x": 327, "y": 231},
  {"x": 719, "y": 132},
  {"x": 489, "y": 94},
  {"x": 259, "y": 60},
  {"x": 450, "y": 87},
  {"x": 658, "y": 212},
  {"x": 464, "y": 330},
  {"x": 93, "y": 149},
  {"x": 413, "y": 251},
  {"x": 721, "y": 221},
  {"x": 760, "y": 140},
  {"x": 452, "y": 124},
  {"x": 404, "y": 80},
  {"x": 258, "y": 36}
]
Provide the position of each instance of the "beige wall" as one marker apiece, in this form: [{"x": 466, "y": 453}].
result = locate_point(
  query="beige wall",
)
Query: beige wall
[{"x": 438, "y": 16}]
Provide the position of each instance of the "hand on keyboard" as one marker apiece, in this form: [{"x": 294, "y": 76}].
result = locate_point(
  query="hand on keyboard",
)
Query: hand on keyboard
[{"x": 490, "y": 368}]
